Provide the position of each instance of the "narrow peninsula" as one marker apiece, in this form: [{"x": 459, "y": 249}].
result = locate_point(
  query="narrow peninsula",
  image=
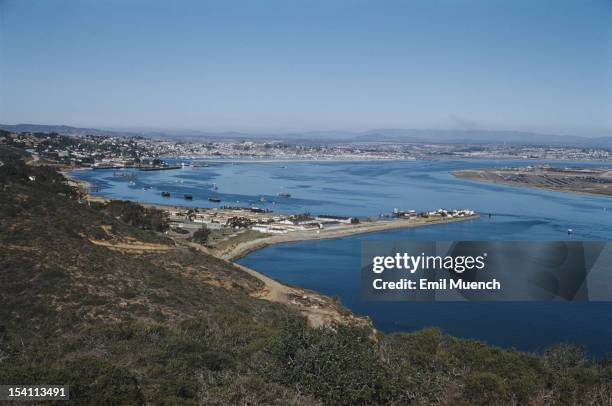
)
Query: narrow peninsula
[{"x": 596, "y": 181}]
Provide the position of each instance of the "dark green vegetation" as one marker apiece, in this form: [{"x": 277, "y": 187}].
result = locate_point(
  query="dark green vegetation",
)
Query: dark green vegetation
[
  {"x": 301, "y": 217},
  {"x": 238, "y": 222},
  {"x": 201, "y": 236},
  {"x": 180, "y": 327},
  {"x": 145, "y": 218}
]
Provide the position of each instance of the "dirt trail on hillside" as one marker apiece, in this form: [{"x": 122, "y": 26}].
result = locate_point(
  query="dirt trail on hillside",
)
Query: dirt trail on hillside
[
  {"x": 319, "y": 310},
  {"x": 133, "y": 245}
]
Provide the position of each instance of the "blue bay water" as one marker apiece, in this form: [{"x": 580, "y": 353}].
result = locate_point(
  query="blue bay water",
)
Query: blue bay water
[{"x": 364, "y": 189}]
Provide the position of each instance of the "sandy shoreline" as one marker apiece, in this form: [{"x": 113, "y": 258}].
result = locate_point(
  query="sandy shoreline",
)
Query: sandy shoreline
[
  {"x": 242, "y": 249},
  {"x": 83, "y": 186}
]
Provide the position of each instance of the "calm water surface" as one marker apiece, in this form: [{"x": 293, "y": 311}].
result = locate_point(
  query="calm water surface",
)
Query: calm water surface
[{"x": 371, "y": 188}]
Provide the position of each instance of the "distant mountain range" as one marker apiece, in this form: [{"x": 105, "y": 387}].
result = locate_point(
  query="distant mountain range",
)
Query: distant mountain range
[
  {"x": 64, "y": 129},
  {"x": 380, "y": 135},
  {"x": 484, "y": 137}
]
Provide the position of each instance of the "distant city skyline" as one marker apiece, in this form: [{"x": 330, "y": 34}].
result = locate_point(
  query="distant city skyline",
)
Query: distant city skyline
[{"x": 284, "y": 66}]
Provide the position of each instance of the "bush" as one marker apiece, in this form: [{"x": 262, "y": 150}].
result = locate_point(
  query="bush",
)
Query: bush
[
  {"x": 486, "y": 388},
  {"x": 201, "y": 235},
  {"x": 339, "y": 366},
  {"x": 238, "y": 222},
  {"x": 146, "y": 218},
  {"x": 301, "y": 217},
  {"x": 564, "y": 356}
]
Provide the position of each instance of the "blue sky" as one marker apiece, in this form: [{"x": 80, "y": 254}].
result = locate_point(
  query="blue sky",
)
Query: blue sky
[{"x": 288, "y": 65}]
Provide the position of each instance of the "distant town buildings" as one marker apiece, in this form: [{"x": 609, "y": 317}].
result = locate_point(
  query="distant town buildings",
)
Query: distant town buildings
[{"x": 115, "y": 151}]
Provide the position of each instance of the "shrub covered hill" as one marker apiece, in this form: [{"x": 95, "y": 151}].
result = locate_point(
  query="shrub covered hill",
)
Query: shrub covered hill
[{"x": 169, "y": 324}]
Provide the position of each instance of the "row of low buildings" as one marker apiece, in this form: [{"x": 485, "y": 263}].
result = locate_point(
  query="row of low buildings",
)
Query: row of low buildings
[
  {"x": 274, "y": 223},
  {"x": 318, "y": 222},
  {"x": 256, "y": 219}
]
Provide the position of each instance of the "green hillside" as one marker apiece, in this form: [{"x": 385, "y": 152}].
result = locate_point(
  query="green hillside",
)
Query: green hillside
[{"x": 172, "y": 325}]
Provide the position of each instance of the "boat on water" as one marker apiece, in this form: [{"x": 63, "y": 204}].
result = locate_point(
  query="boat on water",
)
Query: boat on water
[
  {"x": 214, "y": 199},
  {"x": 165, "y": 194},
  {"x": 188, "y": 196},
  {"x": 284, "y": 194}
]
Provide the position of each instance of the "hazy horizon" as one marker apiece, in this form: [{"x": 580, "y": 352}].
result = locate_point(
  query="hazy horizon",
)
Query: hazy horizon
[
  {"x": 447, "y": 134},
  {"x": 285, "y": 67}
]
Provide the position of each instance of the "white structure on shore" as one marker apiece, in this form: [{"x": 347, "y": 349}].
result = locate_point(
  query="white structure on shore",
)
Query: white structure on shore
[
  {"x": 263, "y": 228},
  {"x": 452, "y": 213}
]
